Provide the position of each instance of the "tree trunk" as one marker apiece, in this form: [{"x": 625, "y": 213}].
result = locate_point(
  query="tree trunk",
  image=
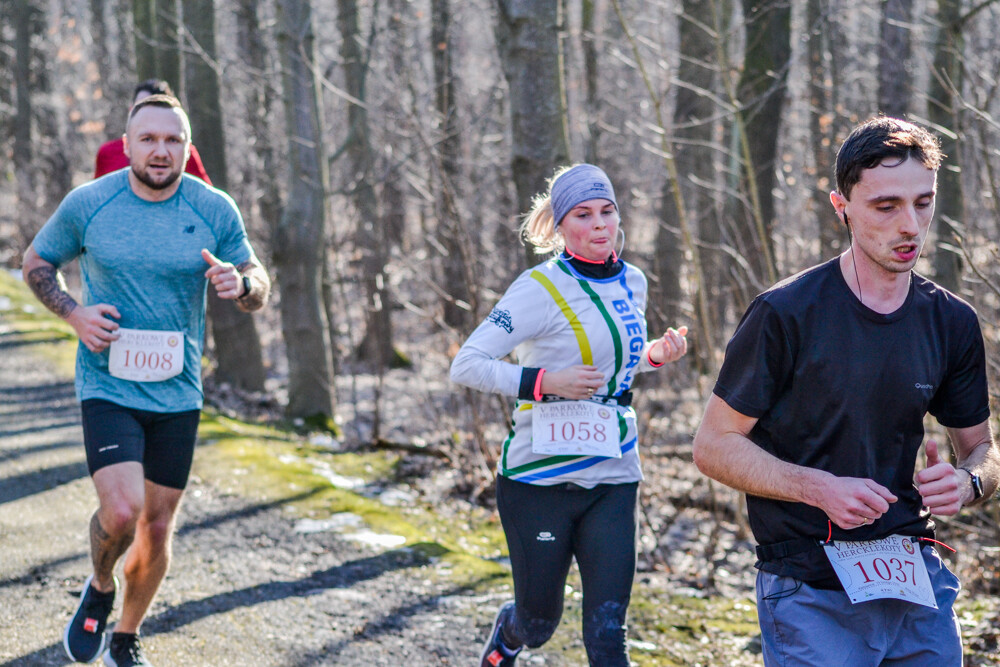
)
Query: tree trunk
[
  {"x": 528, "y": 38},
  {"x": 157, "y": 45},
  {"x": 239, "y": 360},
  {"x": 299, "y": 234},
  {"x": 253, "y": 51},
  {"x": 942, "y": 112},
  {"x": 373, "y": 242},
  {"x": 894, "y": 89},
  {"x": 396, "y": 148},
  {"x": 692, "y": 131},
  {"x": 826, "y": 121},
  {"x": 762, "y": 96},
  {"x": 591, "y": 78},
  {"x": 25, "y": 23},
  {"x": 168, "y": 52},
  {"x": 144, "y": 18},
  {"x": 102, "y": 57},
  {"x": 453, "y": 236}
]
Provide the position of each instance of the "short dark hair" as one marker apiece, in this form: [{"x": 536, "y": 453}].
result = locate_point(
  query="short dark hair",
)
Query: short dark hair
[
  {"x": 153, "y": 87},
  {"x": 164, "y": 101},
  {"x": 879, "y": 139}
]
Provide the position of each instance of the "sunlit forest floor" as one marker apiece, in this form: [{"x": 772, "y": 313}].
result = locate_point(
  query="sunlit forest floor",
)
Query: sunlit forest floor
[{"x": 419, "y": 490}]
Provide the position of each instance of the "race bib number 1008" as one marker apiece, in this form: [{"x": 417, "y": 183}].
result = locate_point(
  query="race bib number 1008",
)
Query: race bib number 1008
[
  {"x": 142, "y": 355},
  {"x": 583, "y": 428}
]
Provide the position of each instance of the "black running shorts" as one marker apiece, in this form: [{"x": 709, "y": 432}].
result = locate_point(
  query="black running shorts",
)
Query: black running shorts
[{"x": 163, "y": 442}]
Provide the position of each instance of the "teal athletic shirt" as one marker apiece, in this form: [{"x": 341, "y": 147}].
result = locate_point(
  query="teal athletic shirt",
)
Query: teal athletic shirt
[{"x": 145, "y": 259}]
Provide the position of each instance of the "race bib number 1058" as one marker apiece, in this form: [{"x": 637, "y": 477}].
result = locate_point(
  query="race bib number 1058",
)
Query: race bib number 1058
[
  {"x": 581, "y": 428},
  {"x": 143, "y": 355}
]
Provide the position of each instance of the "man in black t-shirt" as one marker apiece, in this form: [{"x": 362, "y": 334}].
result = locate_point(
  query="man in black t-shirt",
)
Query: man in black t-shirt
[{"x": 818, "y": 416}]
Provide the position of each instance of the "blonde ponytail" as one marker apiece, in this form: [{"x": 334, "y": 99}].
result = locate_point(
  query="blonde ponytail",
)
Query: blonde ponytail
[{"x": 539, "y": 226}]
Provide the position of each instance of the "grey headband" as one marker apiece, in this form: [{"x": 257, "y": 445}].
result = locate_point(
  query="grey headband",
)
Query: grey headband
[{"x": 581, "y": 183}]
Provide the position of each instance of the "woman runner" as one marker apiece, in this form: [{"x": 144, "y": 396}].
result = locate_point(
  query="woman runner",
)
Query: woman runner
[{"x": 568, "y": 474}]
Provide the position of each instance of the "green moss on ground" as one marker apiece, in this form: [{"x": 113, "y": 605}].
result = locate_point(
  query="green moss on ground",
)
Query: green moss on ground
[
  {"x": 28, "y": 323},
  {"x": 273, "y": 466},
  {"x": 268, "y": 464}
]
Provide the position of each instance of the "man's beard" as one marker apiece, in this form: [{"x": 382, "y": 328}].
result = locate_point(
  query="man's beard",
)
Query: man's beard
[{"x": 156, "y": 185}]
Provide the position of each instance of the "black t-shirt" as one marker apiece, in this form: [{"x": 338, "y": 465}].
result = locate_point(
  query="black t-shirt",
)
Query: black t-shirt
[{"x": 838, "y": 387}]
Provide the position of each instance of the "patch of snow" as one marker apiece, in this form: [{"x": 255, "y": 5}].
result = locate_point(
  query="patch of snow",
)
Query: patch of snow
[
  {"x": 335, "y": 522},
  {"x": 377, "y": 539}
]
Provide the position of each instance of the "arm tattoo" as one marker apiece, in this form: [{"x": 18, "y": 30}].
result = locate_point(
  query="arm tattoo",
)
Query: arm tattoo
[
  {"x": 260, "y": 286},
  {"x": 48, "y": 287}
]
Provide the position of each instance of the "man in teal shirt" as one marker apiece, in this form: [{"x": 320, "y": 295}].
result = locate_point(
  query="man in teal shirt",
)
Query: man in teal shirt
[{"x": 149, "y": 240}]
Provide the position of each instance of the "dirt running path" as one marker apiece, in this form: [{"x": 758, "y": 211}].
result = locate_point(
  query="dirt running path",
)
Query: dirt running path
[{"x": 244, "y": 588}]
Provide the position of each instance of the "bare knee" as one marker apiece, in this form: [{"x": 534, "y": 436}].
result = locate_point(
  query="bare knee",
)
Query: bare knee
[
  {"x": 121, "y": 490},
  {"x": 155, "y": 532},
  {"x": 119, "y": 517}
]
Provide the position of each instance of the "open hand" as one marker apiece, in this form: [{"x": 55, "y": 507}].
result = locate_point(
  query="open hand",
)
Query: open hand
[{"x": 669, "y": 347}]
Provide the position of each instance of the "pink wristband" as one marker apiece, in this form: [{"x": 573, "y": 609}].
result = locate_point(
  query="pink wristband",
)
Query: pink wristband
[
  {"x": 650, "y": 359},
  {"x": 538, "y": 384}
]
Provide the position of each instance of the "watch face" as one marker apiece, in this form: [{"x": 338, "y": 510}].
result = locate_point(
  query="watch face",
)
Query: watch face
[{"x": 977, "y": 486}]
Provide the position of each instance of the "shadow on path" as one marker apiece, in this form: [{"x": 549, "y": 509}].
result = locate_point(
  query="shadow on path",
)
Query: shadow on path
[
  {"x": 36, "y": 428},
  {"x": 42, "y": 570},
  {"x": 341, "y": 576},
  {"x": 245, "y": 513},
  {"x": 50, "y": 391},
  {"x": 393, "y": 622},
  {"x": 17, "y": 452},
  {"x": 39, "y": 481},
  {"x": 22, "y": 339}
]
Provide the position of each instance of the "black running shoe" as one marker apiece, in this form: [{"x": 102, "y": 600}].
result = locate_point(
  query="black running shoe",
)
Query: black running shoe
[
  {"x": 84, "y": 635},
  {"x": 125, "y": 650},
  {"x": 495, "y": 653}
]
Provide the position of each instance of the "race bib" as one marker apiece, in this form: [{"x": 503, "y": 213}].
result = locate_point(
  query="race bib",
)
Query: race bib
[
  {"x": 888, "y": 568},
  {"x": 582, "y": 428},
  {"x": 142, "y": 355}
]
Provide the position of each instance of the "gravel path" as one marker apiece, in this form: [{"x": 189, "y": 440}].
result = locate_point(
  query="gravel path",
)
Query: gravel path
[{"x": 244, "y": 588}]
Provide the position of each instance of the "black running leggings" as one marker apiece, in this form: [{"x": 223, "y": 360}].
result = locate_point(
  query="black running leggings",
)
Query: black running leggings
[{"x": 546, "y": 526}]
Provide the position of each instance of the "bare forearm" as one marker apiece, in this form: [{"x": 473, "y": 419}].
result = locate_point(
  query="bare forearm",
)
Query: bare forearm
[
  {"x": 977, "y": 452},
  {"x": 737, "y": 462},
  {"x": 260, "y": 286},
  {"x": 48, "y": 287}
]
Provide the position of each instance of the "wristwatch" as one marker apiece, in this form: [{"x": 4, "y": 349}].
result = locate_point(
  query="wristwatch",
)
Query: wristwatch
[
  {"x": 247, "y": 287},
  {"x": 977, "y": 484}
]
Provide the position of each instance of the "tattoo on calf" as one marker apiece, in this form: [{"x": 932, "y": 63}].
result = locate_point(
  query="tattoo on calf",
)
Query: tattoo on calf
[
  {"x": 45, "y": 283},
  {"x": 106, "y": 550}
]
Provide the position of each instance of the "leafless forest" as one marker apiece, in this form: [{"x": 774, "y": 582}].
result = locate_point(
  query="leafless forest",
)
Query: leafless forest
[{"x": 382, "y": 150}]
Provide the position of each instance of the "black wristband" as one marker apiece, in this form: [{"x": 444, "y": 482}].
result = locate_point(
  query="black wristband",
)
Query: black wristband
[
  {"x": 977, "y": 484},
  {"x": 526, "y": 390}
]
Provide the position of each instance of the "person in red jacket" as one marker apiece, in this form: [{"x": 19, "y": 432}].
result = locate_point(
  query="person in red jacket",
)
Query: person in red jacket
[{"x": 111, "y": 155}]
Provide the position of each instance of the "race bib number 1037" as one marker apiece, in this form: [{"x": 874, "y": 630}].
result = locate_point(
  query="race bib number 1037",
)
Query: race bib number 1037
[{"x": 892, "y": 567}]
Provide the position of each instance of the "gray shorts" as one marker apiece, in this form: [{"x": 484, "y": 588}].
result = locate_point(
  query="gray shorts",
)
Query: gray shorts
[{"x": 802, "y": 625}]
